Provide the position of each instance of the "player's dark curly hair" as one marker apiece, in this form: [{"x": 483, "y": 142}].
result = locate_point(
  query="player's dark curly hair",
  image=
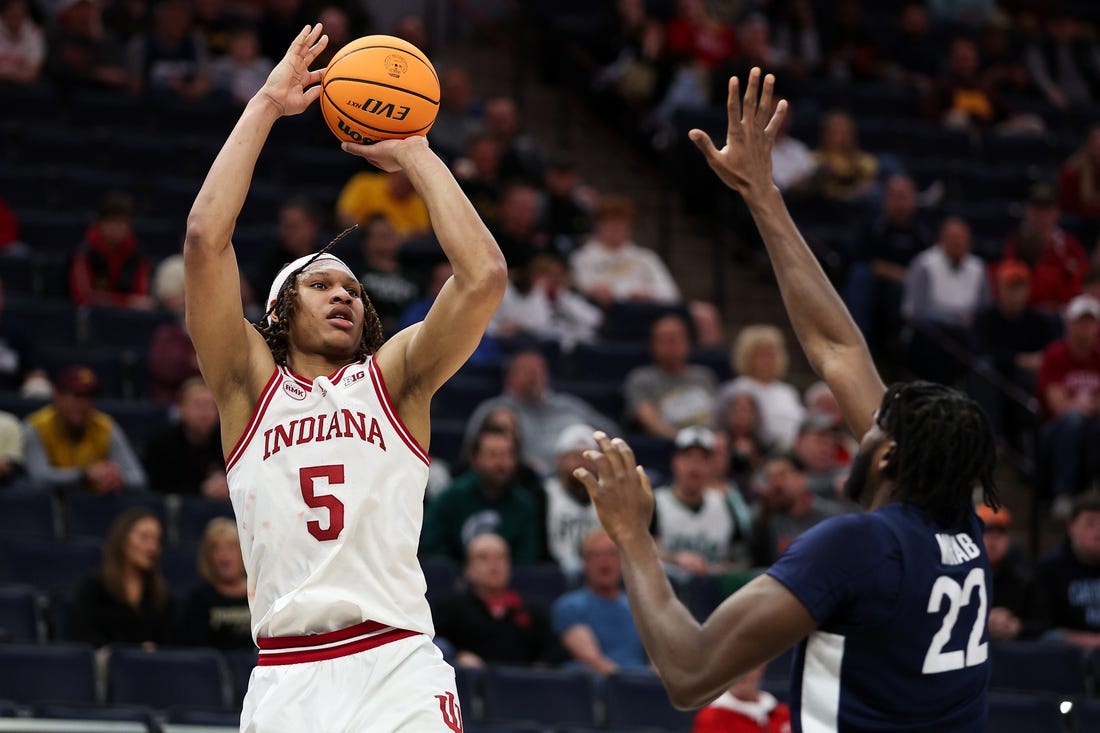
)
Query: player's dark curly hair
[
  {"x": 945, "y": 448},
  {"x": 276, "y": 332}
]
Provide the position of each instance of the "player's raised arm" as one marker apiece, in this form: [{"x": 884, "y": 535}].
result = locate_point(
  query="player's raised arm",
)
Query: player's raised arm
[
  {"x": 832, "y": 342},
  {"x": 231, "y": 354},
  {"x": 435, "y": 349}
]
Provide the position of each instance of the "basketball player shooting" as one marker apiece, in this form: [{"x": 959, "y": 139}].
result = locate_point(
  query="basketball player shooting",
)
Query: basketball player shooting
[
  {"x": 325, "y": 429},
  {"x": 887, "y": 608}
]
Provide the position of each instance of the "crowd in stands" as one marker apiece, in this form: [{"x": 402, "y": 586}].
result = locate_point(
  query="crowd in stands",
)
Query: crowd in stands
[{"x": 101, "y": 398}]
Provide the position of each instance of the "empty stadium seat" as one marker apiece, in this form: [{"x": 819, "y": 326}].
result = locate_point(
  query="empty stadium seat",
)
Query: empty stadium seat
[
  {"x": 42, "y": 321},
  {"x": 53, "y": 231},
  {"x": 138, "y": 420},
  {"x": 195, "y": 513},
  {"x": 539, "y": 695},
  {"x": 33, "y": 673},
  {"x": 1024, "y": 714},
  {"x": 640, "y": 700},
  {"x": 651, "y": 452},
  {"x": 27, "y": 513},
  {"x": 460, "y": 396},
  {"x": 164, "y": 679},
  {"x": 108, "y": 365},
  {"x": 19, "y": 614},
  {"x": 90, "y": 515},
  {"x": 440, "y": 576},
  {"x": 204, "y": 716},
  {"x": 17, "y": 275},
  {"x": 7, "y": 709},
  {"x": 130, "y": 713},
  {"x": 604, "y": 396},
  {"x": 47, "y": 565},
  {"x": 470, "y": 684},
  {"x": 240, "y": 663},
  {"x": 446, "y": 443},
  {"x": 540, "y": 584},
  {"x": 607, "y": 362},
  {"x": 631, "y": 322},
  {"x": 1087, "y": 715},
  {"x": 1035, "y": 667},
  {"x": 179, "y": 565}
]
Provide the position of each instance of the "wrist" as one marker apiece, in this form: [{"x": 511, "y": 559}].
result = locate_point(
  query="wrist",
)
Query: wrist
[
  {"x": 264, "y": 105},
  {"x": 635, "y": 543}
]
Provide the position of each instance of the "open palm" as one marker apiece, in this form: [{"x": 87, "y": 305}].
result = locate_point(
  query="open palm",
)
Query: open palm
[{"x": 291, "y": 86}]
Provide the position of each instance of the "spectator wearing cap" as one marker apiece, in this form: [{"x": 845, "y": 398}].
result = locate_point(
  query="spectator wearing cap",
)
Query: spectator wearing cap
[
  {"x": 172, "y": 359},
  {"x": 1069, "y": 577},
  {"x": 489, "y": 622},
  {"x": 569, "y": 514},
  {"x": 669, "y": 393},
  {"x": 186, "y": 458},
  {"x": 594, "y": 622},
  {"x": 1068, "y": 388},
  {"x": 108, "y": 267},
  {"x": 540, "y": 304},
  {"x": 695, "y": 527},
  {"x": 1079, "y": 178},
  {"x": 760, "y": 359},
  {"x": 1017, "y": 609},
  {"x": 1058, "y": 262},
  {"x": 72, "y": 445},
  {"x": 216, "y": 612},
  {"x": 22, "y": 46},
  {"x": 944, "y": 288},
  {"x": 785, "y": 509},
  {"x": 1008, "y": 338},
  {"x": 817, "y": 448}
]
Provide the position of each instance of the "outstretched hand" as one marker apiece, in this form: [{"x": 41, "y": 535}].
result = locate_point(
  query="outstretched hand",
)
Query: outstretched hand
[
  {"x": 388, "y": 155},
  {"x": 620, "y": 489},
  {"x": 292, "y": 87},
  {"x": 745, "y": 162}
]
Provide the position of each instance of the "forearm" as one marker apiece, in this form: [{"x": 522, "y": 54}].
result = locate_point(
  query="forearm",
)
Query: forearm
[
  {"x": 222, "y": 195},
  {"x": 133, "y": 475}
]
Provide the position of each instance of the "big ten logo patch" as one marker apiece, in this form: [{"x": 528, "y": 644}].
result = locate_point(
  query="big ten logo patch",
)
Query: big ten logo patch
[
  {"x": 353, "y": 378},
  {"x": 294, "y": 391},
  {"x": 451, "y": 712}
]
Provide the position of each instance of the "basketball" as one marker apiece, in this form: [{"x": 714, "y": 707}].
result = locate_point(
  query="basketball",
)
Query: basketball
[{"x": 379, "y": 88}]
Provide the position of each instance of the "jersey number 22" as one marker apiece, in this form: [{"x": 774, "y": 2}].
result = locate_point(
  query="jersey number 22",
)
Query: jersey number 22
[{"x": 977, "y": 651}]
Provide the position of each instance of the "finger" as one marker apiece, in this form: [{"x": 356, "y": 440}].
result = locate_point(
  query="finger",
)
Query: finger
[
  {"x": 317, "y": 47},
  {"x": 590, "y": 483},
  {"x": 314, "y": 34},
  {"x": 356, "y": 148},
  {"x": 704, "y": 143},
  {"x": 646, "y": 485},
  {"x": 749, "y": 106},
  {"x": 614, "y": 460},
  {"x": 599, "y": 458},
  {"x": 765, "y": 107},
  {"x": 777, "y": 118},
  {"x": 733, "y": 105},
  {"x": 312, "y": 94},
  {"x": 315, "y": 77},
  {"x": 626, "y": 453}
]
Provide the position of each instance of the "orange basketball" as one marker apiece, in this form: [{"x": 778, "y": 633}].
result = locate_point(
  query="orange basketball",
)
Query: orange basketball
[{"x": 377, "y": 88}]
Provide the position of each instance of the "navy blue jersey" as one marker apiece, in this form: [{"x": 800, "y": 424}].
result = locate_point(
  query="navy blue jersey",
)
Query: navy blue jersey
[{"x": 901, "y": 606}]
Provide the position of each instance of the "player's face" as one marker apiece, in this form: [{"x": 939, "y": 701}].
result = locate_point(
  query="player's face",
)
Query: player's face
[
  {"x": 865, "y": 476},
  {"x": 143, "y": 544},
  {"x": 329, "y": 317}
]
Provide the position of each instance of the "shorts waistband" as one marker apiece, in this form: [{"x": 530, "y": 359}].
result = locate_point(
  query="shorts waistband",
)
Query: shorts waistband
[{"x": 275, "y": 650}]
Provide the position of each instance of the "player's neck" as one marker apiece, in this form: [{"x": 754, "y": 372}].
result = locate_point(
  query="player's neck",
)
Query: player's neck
[
  {"x": 311, "y": 366},
  {"x": 883, "y": 496}
]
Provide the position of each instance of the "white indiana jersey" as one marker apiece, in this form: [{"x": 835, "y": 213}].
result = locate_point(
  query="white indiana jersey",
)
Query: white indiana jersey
[
  {"x": 567, "y": 522},
  {"x": 707, "y": 530},
  {"x": 328, "y": 488}
]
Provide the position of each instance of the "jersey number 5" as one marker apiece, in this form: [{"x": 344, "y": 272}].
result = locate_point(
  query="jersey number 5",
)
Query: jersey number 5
[
  {"x": 335, "y": 475},
  {"x": 977, "y": 651}
]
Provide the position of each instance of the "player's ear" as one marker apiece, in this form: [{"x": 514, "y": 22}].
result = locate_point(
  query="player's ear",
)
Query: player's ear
[{"x": 888, "y": 460}]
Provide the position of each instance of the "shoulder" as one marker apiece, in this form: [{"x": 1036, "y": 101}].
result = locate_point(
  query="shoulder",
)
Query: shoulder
[
  {"x": 40, "y": 417},
  {"x": 1056, "y": 351},
  {"x": 570, "y": 602},
  {"x": 641, "y": 374},
  {"x": 101, "y": 420}
]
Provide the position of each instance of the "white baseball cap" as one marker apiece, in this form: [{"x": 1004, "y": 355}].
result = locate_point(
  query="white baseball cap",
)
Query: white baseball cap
[
  {"x": 575, "y": 437},
  {"x": 1083, "y": 305},
  {"x": 277, "y": 283}
]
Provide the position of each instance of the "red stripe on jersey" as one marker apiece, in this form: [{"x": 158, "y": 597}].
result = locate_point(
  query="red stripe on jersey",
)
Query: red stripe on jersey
[
  {"x": 328, "y": 637},
  {"x": 254, "y": 422},
  {"x": 317, "y": 655},
  {"x": 391, "y": 413},
  {"x": 335, "y": 376},
  {"x": 308, "y": 385}
]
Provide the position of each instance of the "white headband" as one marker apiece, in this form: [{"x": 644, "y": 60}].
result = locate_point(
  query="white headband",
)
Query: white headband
[{"x": 277, "y": 283}]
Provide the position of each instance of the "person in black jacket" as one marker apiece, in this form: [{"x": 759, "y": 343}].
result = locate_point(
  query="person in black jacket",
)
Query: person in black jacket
[
  {"x": 216, "y": 613},
  {"x": 126, "y": 601},
  {"x": 1017, "y": 610},
  {"x": 186, "y": 457}
]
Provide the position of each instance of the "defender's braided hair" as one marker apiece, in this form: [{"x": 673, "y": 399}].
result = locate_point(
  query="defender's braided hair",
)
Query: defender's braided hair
[
  {"x": 945, "y": 448},
  {"x": 277, "y": 331}
]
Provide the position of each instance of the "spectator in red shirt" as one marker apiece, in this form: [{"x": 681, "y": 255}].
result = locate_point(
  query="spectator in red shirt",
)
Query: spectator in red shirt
[
  {"x": 1079, "y": 179},
  {"x": 744, "y": 708},
  {"x": 9, "y": 227},
  {"x": 108, "y": 268},
  {"x": 1068, "y": 388},
  {"x": 697, "y": 37},
  {"x": 1058, "y": 262}
]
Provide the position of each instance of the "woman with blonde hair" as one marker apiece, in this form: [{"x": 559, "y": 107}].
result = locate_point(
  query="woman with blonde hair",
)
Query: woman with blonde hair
[
  {"x": 760, "y": 359},
  {"x": 217, "y": 613}
]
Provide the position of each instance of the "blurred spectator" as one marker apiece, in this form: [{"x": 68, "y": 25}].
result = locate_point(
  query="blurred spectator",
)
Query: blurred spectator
[
  {"x": 971, "y": 12},
  {"x": 216, "y": 613},
  {"x": 505, "y": 419},
  {"x": 911, "y": 52},
  {"x": 695, "y": 528},
  {"x": 1069, "y": 577},
  {"x": 1068, "y": 388},
  {"x": 786, "y": 509},
  {"x": 299, "y": 234},
  {"x": 760, "y": 358},
  {"x": 594, "y": 622},
  {"x": 126, "y": 601},
  {"x": 186, "y": 457},
  {"x": 737, "y": 415},
  {"x": 542, "y": 413},
  {"x": 108, "y": 267},
  {"x": 410, "y": 27},
  {"x": 669, "y": 394},
  {"x": 126, "y": 19},
  {"x": 242, "y": 71},
  {"x": 478, "y": 174},
  {"x": 22, "y": 46},
  {"x": 171, "y": 358},
  {"x": 1058, "y": 262},
  {"x": 792, "y": 161},
  {"x": 1009, "y": 337},
  {"x": 489, "y": 622},
  {"x": 610, "y": 267},
  {"x": 12, "y": 456},
  {"x": 567, "y": 213},
  {"x": 797, "y": 38},
  {"x": 459, "y": 113},
  {"x": 844, "y": 172},
  {"x": 569, "y": 511},
  {"x": 280, "y": 22},
  {"x": 850, "y": 51},
  {"x": 517, "y": 228},
  {"x": 80, "y": 51},
  {"x": 1002, "y": 58},
  {"x": 70, "y": 444},
  {"x": 732, "y": 486},
  {"x": 484, "y": 499},
  {"x": 389, "y": 286},
  {"x": 944, "y": 289},
  {"x": 216, "y": 24},
  {"x": 390, "y": 194},
  {"x": 9, "y": 230},
  {"x": 17, "y": 359},
  {"x": 961, "y": 96},
  {"x": 819, "y": 399},
  {"x": 698, "y": 39},
  {"x": 539, "y": 303},
  {"x": 1017, "y": 608},
  {"x": 886, "y": 248},
  {"x": 487, "y": 351},
  {"x": 816, "y": 449},
  {"x": 171, "y": 58},
  {"x": 744, "y": 708},
  {"x": 338, "y": 27},
  {"x": 642, "y": 72},
  {"x": 1079, "y": 178},
  {"x": 520, "y": 157},
  {"x": 1064, "y": 63}
]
